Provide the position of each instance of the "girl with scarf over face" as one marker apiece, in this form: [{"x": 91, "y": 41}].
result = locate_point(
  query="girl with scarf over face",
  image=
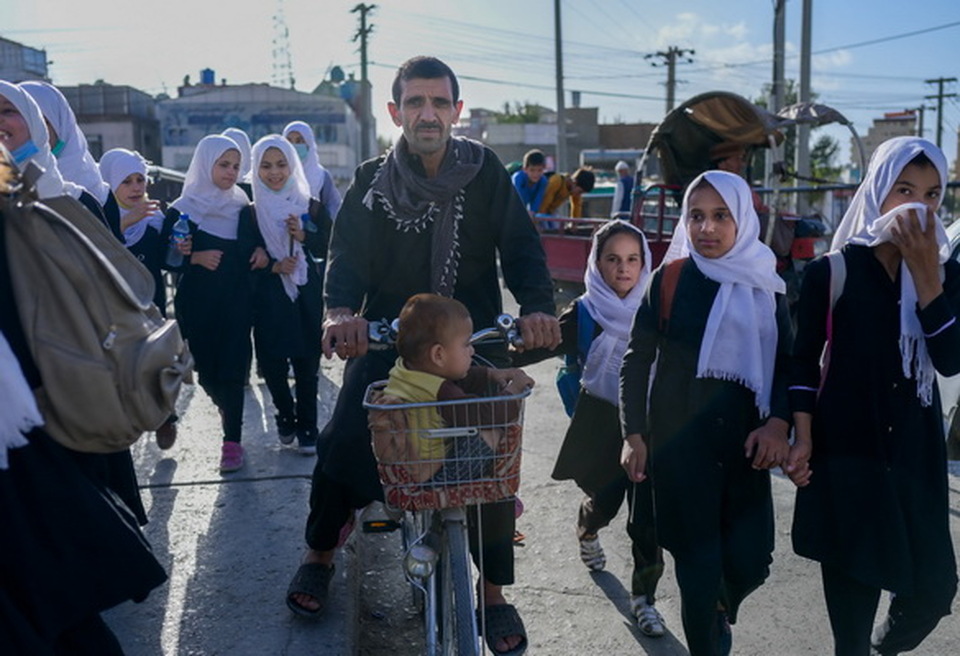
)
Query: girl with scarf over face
[
  {"x": 717, "y": 417},
  {"x": 213, "y": 301},
  {"x": 24, "y": 133},
  {"x": 618, "y": 271},
  {"x": 141, "y": 222},
  {"x": 289, "y": 292},
  {"x": 872, "y": 502},
  {"x": 318, "y": 177}
]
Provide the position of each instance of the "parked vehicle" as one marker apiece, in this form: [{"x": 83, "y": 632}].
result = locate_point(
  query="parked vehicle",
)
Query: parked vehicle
[{"x": 682, "y": 143}]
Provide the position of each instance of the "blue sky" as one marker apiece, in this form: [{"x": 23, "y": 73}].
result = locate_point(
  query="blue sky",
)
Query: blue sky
[{"x": 504, "y": 51}]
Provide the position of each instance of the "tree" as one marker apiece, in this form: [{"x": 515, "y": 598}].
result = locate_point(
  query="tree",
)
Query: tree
[{"x": 822, "y": 157}]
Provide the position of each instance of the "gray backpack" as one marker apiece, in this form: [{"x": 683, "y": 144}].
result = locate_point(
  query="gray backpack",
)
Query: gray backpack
[{"x": 111, "y": 365}]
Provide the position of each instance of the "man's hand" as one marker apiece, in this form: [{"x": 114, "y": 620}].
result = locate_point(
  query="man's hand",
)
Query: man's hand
[
  {"x": 344, "y": 333},
  {"x": 768, "y": 444},
  {"x": 633, "y": 458},
  {"x": 207, "y": 259},
  {"x": 511, "y": 381},
  {"x": 539, "y": 330}
]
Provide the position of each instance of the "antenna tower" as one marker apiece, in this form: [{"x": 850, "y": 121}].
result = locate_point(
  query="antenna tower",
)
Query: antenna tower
[{"x": 282, "y": 62}]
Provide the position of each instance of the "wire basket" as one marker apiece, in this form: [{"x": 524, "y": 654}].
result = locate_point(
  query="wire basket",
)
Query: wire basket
[{"x": 446, "y": 454}]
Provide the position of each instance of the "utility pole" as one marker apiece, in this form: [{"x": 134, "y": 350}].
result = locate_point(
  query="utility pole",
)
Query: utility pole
[
  {"x": 561, "y": 109},
  {"x": 940, "y": 95},
  {"x": 777, "y": 91},
  {"x": 365, "y": 106},
  {"x": 802, "y": 162},
  {"x": 919, "y": 110},
  {"x": 669, "y": 59}
]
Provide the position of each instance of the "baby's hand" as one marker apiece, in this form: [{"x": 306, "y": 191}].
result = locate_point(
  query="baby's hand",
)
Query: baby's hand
[{"x": 512, "y": 380}]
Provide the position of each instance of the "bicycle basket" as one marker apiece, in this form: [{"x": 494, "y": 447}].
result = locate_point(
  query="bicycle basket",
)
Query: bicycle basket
[{"x": 446, "y": 453}]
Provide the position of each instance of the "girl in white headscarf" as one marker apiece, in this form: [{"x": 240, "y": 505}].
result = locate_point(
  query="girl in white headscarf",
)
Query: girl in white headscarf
[
  {"x": 872, "y": 506},
  {"x": 24, "y": 132},
  {"x": 321, "y": 182},
  {"x": 67, "y": 141},
  {"x": 595, "y": 329},
  {"x": 289, "y": 305},
  {"x": 715, "y": 322},
  {"x": 243, "y": 142},
  {"x": 213, "y": 302}
]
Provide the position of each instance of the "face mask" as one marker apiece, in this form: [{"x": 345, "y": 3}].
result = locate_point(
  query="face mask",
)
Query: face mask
[
  {"x": 57, "y": 149},
  {"x": 302, "y": 150},
  {"x": 25, "y": 152}
]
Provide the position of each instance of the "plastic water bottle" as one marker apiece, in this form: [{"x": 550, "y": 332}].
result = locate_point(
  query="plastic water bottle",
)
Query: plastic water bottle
[{"x": 181, "y": 230}]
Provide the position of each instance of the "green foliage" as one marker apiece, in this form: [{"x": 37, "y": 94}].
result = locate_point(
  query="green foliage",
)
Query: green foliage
[{"x": 525, "y": 112}]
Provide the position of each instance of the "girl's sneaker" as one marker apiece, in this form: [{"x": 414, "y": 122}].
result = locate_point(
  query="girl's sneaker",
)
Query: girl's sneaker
[
  {"x": 591, "y": 553},
  {"x": 307, "y": 441},
  {"x": 649, "y": 620},
  {"x": 231, "y": 457},
  {"x": 286, "y": 428}
]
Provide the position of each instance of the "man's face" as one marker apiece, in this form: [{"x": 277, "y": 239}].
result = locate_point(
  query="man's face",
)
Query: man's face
[{"x": 426, "y": 113}]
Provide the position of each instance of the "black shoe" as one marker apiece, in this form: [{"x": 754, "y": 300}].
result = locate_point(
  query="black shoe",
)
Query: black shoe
[
  {"x": 307, "y": 441},
  {"x": 286, "y": 428}
]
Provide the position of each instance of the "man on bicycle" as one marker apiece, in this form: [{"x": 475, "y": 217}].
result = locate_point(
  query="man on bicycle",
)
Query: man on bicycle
[{"x": 432, "y": 215}]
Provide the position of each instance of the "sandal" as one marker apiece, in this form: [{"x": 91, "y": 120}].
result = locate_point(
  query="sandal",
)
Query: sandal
[
  {"x": 501, "y": 622},
  {"x": 591, "y": 553},
  {"x": 649, "y": 620},
  {"x": 311, "y": 579}
]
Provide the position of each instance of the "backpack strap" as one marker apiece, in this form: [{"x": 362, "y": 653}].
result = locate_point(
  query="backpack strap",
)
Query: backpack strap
[
  {"x": 668, "y": 288},
  {"x": 586, "y": 326},
  {"x": 838, "y": 277}
]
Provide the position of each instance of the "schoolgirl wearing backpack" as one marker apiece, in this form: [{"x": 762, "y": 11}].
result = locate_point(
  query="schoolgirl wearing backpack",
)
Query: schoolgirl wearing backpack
[
  {"x": 214, "y": 297},
  {"x": 595, "y": 329},
  {"x": 712, "y": 413}
]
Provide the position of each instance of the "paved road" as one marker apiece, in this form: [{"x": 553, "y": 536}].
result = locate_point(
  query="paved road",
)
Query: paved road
[{"x": 231, "y": 544}]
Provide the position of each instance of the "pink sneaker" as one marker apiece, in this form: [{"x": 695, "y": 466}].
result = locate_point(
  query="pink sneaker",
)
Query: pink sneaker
[{"x": 231, "y": 457}]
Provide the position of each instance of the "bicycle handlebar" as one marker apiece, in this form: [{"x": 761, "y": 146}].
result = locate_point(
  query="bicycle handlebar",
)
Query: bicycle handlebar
[{"x": 382, "y": 334}]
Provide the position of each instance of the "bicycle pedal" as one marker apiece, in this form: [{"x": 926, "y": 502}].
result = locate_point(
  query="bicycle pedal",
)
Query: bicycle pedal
[{"x": 380, "y": 526}]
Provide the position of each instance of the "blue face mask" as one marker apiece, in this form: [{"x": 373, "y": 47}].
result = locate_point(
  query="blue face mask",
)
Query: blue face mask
[
  {"x": 25, "y": 152},
  {"x": 302, "y": 150},
  {"x": 58, "y": 148}
]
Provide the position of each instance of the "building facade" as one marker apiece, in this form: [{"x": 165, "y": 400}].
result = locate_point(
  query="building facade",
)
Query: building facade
[
  {"x": 114, "y": 116},
  {"x": 19, "y": 63},
  {"x": 258, "y": 110},
  {"x": 893, "y": 124}
]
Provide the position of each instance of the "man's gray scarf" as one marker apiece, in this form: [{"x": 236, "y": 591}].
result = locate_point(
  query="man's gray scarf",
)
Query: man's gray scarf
[{"x": 414, "y": 202}]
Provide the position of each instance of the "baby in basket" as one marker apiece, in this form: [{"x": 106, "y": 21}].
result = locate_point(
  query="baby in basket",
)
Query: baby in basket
[{"x": 434, "y": 364}]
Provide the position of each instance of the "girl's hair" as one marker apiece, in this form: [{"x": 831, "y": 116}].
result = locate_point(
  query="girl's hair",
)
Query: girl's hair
[
  {"x": 612, "y": 229},
  {"x": 425, "y": 320},
  {"x": 921, "y": 160}
]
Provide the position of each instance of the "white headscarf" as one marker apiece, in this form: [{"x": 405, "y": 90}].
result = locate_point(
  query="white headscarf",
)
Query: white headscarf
[
  {"x": 274, "y": 207},
  {"x": 863, "y": 224},
  {"x": 321, "y": 182},
  {"x": 117, "y": 165},
  {"x": 18, "y": 407},
  {"x": 740, "y": 340},
  {"x": 601, "y": 371},
  {"x": 75, "y": 162},
  {"x": 243, "y": 141},
  {"x": 51, "y": 183},
  {"x": 216, "y": 211}
]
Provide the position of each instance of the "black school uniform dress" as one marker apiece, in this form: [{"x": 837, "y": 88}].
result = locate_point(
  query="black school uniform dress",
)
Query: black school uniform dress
[
  {"x": 215, "y": 312},
  {"x": 590, "y": 456},
  {"x": 108, "y": 213},
  {"x": 877, "y": 504},
  {"x": 289, "y": 331},
  {"x": 714, "y": 512},
  {"x": 69, "y": 550}
]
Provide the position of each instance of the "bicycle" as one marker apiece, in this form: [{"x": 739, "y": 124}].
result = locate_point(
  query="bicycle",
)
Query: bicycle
[{"x": 431, "y": 515}]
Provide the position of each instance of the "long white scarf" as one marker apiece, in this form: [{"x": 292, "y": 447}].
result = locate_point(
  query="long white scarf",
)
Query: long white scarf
[
  {"x": 18, "y": 407},
  {"x": 51, "y": 183},
  {"x": 740, "y": 340},
  {"x": 75, "y": 162},
  {"x": 601, "y": 371},
  {"x": 215, "y": 211},
  {"x": 274, "y": 207},
  {"x": 117, "y": 165},
  {"x": 864, "y": 225}
]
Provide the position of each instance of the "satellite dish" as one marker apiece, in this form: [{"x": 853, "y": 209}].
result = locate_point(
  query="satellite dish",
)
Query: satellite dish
[{"x": 336, "y": 75}]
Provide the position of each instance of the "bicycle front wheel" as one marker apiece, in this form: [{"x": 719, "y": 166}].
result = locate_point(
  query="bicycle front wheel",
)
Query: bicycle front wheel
[{"x": 458, "y": 612}]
